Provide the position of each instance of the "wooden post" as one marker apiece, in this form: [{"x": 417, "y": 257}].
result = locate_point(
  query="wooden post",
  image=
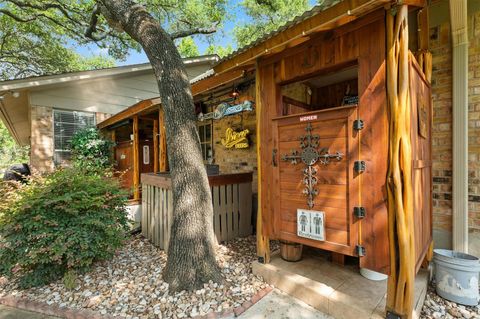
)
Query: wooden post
[
  {"x": 400, "y": 288},
  {"x": 155, "y": 146},
  {"x": 136, "y": 160},
  {"x": 263, "y": 241},
  {"x": 423, "y": 55},
  {"x": 163, "y": 158}
]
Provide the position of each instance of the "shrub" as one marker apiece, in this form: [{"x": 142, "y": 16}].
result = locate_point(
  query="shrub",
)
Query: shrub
[
  {"x": 59, "y": 223},
  {"x": 90, "y": 150}
]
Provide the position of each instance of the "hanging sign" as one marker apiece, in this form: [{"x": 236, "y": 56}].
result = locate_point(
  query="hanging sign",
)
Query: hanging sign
[
  {"x": 225, "y": 109},
  {"x": 235, "y": 139},
  {"x": 311, "y": 224}
]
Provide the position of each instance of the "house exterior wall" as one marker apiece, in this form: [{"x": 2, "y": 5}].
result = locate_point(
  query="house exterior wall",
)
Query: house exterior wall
[
  {"x": 232, "y": 160},
  {"x": 441, "y": 47},
  {"x": 41, "y": 138}
]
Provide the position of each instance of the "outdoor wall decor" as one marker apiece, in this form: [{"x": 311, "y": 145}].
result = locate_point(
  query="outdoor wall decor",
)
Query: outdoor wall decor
[
  {"x": 225, "y": 109},
  {"x": 235, "y": 139},
  {"x": 310, "y": 155}
]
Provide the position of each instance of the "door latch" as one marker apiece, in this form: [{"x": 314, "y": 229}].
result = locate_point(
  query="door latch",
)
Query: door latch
[{"x": 274, "y": 157}]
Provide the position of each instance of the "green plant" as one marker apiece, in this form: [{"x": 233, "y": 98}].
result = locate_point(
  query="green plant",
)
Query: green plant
[
  {"x": 58, "y": 223},
  {"x": 90, "y": 150}
]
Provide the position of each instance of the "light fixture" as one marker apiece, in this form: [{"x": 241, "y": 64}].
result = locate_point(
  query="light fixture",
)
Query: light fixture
[
  {"x": 15, "y": 94},
  {"x": 235, "y": 93}
]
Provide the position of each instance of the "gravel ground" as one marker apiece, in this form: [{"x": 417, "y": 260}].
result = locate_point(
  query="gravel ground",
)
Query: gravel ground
[
  {"x": 435, "y": 307},
  {"x": 131, "y": 284}
]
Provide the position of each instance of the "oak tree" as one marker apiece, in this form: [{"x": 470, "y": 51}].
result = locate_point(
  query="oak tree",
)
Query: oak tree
[{"x": 154, "y": 25}]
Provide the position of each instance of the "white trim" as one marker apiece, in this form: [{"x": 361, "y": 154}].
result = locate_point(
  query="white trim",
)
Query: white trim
[
  {"x": 34, "y": 82},
  {"x": 458, "y": 21}
]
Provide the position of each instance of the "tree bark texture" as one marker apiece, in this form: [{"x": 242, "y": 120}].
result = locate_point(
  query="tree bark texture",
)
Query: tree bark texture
[
  {"x": 400, "y": 289},
  {"x": 191, "y": 253}
]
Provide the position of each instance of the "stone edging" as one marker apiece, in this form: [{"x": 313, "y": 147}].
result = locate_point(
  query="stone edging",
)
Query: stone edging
[{"x": 69, "y": 313}]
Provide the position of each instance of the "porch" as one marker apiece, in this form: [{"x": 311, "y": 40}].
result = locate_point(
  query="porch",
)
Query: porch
[{"x": 339, "y": 291}]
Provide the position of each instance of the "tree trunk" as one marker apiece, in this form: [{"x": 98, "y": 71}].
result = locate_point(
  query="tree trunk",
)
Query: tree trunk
[{"x": 191, "y": 254}]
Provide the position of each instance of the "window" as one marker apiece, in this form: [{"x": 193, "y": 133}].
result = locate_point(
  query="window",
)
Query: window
[
  {"x": 205, "y": 132},
  {"x": 65, "y": 125}
]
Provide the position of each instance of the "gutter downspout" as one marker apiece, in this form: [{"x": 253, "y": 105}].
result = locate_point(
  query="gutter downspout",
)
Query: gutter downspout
[{"x": 459, "y": 30}]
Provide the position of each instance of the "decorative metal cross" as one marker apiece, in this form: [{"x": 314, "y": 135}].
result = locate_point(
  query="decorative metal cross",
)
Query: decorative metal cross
[{"x": 310, "y": 155}]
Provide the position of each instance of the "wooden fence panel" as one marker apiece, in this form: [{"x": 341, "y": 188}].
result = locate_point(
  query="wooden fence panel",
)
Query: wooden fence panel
[{"x": 232, "y": 212}]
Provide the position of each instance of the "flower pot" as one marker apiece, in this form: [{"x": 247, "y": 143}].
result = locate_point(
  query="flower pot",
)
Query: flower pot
[
  {"x": 290, "y": 251},
  {"x": 456, "y": 275}
]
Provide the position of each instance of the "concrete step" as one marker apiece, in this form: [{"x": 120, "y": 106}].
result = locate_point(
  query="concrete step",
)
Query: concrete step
[{"x": 339, "y": 291}]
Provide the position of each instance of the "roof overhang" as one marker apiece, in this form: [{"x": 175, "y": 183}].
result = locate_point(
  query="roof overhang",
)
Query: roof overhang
[
  {"x": 301, "y": 28},
  {"x": 140, "y": 107},
  {"x": 65, "y": 78}
]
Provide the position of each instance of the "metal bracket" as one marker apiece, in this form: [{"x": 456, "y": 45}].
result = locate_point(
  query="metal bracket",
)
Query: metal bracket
[
  {"x": 392, "y": 315},
  {"x": 359, "y": 166},
  {"x": 360, "y": 250},
  {"x": 358, "y": 124},
  {"x": 261, "y": 260},
  {"x": 359, "y": 212}
]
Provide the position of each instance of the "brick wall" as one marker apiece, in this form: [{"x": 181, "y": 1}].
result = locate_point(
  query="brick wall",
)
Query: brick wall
[
  {"x": 232, "y": 160},
  {"x": 41, "y": 138},
  {"x": 440, "y": 44}
]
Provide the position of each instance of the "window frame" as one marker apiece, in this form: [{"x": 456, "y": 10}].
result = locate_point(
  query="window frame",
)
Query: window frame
[
  {"x": 204, "y": 143},
  {"x": 63, "y": 150}
]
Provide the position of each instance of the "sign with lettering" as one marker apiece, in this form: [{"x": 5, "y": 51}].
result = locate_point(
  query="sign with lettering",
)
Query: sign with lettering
[
  {"x": 308, "y": 118},
  {"x": 235, "y": 139},
  {"x": 311, "y": 224}
]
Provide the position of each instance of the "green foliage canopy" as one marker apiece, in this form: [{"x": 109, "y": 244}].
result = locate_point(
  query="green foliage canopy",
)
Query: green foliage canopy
[
  {"x": 266, "y": 16},
  {"x": 35, "y": 33}
]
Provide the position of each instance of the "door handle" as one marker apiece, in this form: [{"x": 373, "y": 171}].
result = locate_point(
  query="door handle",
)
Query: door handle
[{"x": 274, "y": 157}]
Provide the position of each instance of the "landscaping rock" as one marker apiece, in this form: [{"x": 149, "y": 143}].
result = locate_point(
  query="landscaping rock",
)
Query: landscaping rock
[
  {"x": 436, "y": 307},
  {"x": 131, "y": 284}
]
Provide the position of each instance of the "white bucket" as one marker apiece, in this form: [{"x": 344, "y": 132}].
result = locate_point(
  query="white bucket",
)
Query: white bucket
[
  {"x": 372, "y": 275},
  {"x": 456, "y": 275}
]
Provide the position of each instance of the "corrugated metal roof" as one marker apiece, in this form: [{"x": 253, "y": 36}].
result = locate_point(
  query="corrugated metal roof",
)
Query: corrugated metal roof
[
  {"x": 202, "y": 76},
  {"x": 296, "y": 20}
]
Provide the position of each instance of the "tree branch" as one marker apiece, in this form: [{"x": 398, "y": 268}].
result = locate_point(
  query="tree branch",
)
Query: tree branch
[
  {"x": 186, "y": 33},
  {"x": 16, "y": 17},
  {"x": 92, "y": 27}
]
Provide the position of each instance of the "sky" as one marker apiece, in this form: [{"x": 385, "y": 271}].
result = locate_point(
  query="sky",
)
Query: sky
[
  {"x": 237, "y": 15},
  {"x": 225, "y": 36}
]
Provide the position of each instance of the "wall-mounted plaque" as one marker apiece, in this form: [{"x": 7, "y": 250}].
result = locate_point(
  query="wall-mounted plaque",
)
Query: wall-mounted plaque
[
  {"x": 422, "y": 113},
  {"x": 311, "y": 224},
  {"x": 146, "y": 155}
]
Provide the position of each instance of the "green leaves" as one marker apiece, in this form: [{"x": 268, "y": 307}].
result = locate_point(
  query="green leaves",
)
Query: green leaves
[
  {"x": 90, "y": 150},
  {"x": 64, "y": 221},
  {"x": 266, "y": 16}
]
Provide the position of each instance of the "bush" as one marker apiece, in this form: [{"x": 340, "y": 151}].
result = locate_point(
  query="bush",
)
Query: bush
[
  {"x": 90, "y": 150},
  {"x": 59, "y": 223}
]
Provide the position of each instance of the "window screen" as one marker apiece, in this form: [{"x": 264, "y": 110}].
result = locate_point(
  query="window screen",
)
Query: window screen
[
  {"x": 65, "y": 125},
  {"x": 205, "y": 132}
]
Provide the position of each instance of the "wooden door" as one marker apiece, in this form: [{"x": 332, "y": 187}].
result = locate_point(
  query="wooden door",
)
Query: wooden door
[
  {"x": 335, "y": 181},
  {"x": 124, "y": 163},
  {"x": 146, "y": 156},
  {"x": 421, "y": 136}
]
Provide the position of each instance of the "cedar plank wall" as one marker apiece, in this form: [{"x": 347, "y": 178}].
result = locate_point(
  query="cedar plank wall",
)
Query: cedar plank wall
[{"x": 364, "y": 41}]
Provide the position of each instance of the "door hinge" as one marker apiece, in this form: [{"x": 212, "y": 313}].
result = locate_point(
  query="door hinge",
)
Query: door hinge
[
  {"x": 359, "y": 212},
  {"x": 358, "y": 124},
  {"x": 359, "y": 166},
  {"x": 360, "y": 250}
]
